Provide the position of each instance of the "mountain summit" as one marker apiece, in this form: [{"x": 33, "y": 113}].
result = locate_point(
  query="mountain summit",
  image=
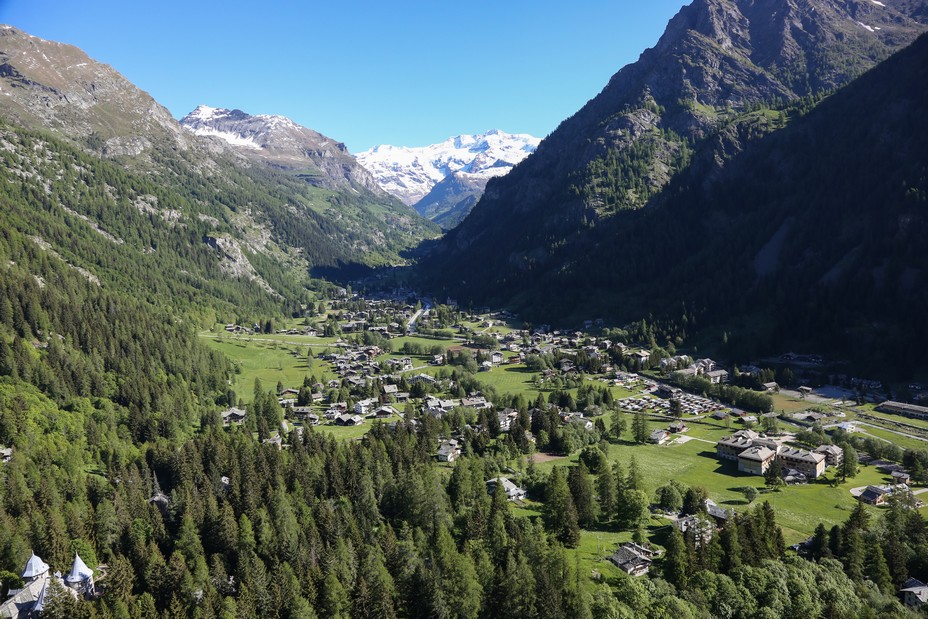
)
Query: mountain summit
[
  {"x": 56, "y": 87},
  {"x": 282, "y": 144},
  {"x": 443, "y": 181}
]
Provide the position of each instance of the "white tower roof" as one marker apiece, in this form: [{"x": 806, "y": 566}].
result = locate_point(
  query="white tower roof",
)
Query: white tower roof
[
  {"x": 79, "y": 571},
  {"x": 35, "y": 567}
]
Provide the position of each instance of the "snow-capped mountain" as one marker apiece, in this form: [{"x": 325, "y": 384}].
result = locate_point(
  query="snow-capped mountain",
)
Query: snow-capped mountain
[
  {"x": 282, "y": 144},
  {"x": 411, "y": 173}
]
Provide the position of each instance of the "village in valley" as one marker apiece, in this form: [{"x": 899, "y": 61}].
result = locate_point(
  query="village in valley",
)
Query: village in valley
[{"x": 701, "y": 440}]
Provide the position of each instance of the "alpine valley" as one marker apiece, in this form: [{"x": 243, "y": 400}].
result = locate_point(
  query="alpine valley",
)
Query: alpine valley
[{"x": 246, "y": 374}]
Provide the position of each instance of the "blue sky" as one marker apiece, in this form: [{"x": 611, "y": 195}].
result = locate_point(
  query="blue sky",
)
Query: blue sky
[{"x": 365, "y": 72}]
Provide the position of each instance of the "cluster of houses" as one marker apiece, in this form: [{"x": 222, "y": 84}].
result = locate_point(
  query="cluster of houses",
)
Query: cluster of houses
[
  {"x": 631, "y": 380},
  {"x": 439, "y": 407},
  {"x": 355, "y": 363},
  {"x": 384, "y": 316},
  {"x": 29, "y": 601},
  {"x": 242, "y": 330},
  {"x": 661, "y": 436},
  {"x": 706, "y": 368},
  {"x": 755, "y": 453}
]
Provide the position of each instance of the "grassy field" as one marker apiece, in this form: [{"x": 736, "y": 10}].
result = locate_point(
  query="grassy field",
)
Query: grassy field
[
  {"x": 348, "y": 433},
  {"x": 512, "y": 379},
  {"x": 799, "y": 508},
  {"x": 269, "y": 361},
  {"x": 902, "y": 441},
  {"x": 786, "y": 404}
]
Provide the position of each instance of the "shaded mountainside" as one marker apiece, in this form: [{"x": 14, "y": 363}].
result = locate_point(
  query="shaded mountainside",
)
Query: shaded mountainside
[
  {"x": 811, "y": 236},
  {"x": 717, "y": 62},
  {"x": 179, "y": 195},
  {"x": 564, "y": 236}
]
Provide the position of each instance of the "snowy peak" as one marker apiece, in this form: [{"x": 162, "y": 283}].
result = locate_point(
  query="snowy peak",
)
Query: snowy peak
[
  {"x": 411, "y": 173},
  {"x": 266, "y": 131},
  {"x": 282, "y": 144}
]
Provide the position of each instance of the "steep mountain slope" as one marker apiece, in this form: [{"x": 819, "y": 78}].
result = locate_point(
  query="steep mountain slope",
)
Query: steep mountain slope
[
  {"x": 717, "y": 62},
  {"x": 284, "y": 145},
  {"x": 53, "y": 86},
  {"x": 177, "y": 199},
  {"x": 810, "y": 237},
  {"x": 412, "y": 174}
]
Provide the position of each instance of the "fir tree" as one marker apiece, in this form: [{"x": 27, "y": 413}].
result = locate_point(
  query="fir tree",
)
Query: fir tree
[
  {"x": 605, "y": 491},
  {"x": 560, "y": 512},
  {"x": 676, "y": 569}
]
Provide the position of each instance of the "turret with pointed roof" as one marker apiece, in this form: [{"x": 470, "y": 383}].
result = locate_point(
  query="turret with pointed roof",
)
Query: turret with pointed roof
[
  {"x": 34, "y": 569},
  {"x": 81, "y": 577}
]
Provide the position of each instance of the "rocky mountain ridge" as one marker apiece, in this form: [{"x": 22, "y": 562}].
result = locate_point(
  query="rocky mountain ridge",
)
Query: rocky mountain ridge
[
  {"x": 282, "y": 144},
  {"x": 54, "y": 86}
]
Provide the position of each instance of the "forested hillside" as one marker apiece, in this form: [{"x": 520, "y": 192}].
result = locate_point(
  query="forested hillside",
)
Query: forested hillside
[
  {"x": 719, "y": 77},
  {"x": 809, "y": 234}
]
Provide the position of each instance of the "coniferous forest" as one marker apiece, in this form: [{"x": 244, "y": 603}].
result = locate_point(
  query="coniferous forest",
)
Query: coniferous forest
[{"x": 123, "y": 278}]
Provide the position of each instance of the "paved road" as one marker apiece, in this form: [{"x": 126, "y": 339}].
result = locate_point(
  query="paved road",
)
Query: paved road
[{"x": 411, "y": 323}]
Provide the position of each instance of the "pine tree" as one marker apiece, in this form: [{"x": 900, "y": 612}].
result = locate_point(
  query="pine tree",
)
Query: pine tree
[
  {"x": 635, "y": 480},
  {"x": 848, "y": 467},
  {"x": 640, "y": 428},
  {"x": 581, "y": 491},
  {"x": 773, "y": 475},
  {"x": 335, "y": 603},
  {"x": 854, "y": 555},
  {"x": 876, "y": 568},
  {"x": 818, "y": 548},
  {"x": 694, "y": 500},
  {"x": 676, "y": 569},
  {"x": 859, "y": 519},
  {"x": 605, "y": 491},
  {"x": 560, "y": 512},
  {"x": 618, "y": 426},
  {"x": 836, "y": 541},
  {"x": 731, "y": 547},
  {"x": 515, "y": 589}
]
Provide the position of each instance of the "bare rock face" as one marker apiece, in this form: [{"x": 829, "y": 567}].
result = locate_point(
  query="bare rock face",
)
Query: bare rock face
[
  {"x": 53, "y": 86},
  {"x": 282, "y": 144}
]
